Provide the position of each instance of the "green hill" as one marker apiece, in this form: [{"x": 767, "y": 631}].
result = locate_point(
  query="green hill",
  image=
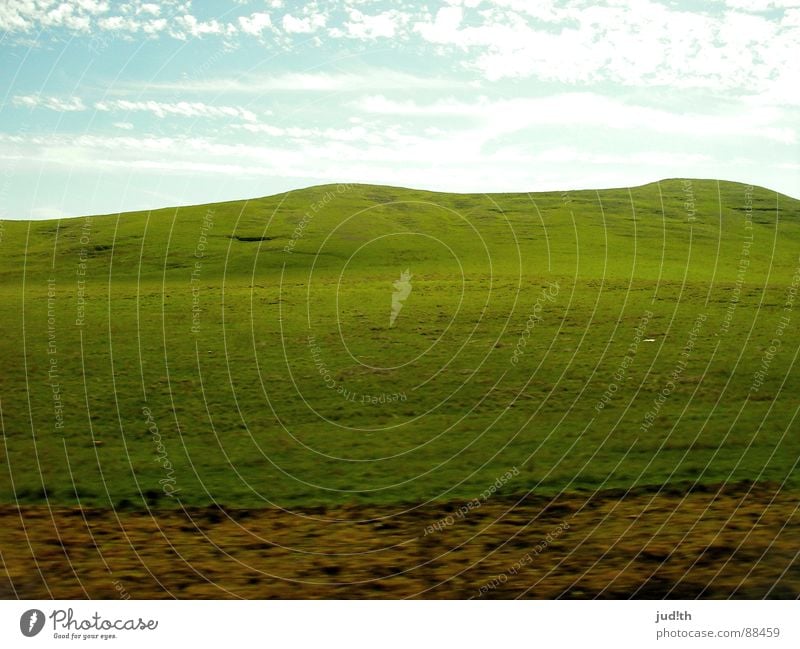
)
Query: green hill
[{"x": 245, "y": 352}]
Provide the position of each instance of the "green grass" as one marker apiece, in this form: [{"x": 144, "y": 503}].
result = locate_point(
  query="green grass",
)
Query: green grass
[{"x": 246, "y": 418}]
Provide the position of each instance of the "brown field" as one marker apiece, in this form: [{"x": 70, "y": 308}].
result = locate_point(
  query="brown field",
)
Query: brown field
[{"x": 738, "y": 541}]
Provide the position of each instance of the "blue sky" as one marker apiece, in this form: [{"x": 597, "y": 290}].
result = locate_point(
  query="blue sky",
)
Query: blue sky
[{"x": 113, "y": 106}]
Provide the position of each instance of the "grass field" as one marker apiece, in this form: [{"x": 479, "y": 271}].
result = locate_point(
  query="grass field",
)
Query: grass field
[
  {"x": 241, "y": 353},
  {"x": 359, "y": 391}
]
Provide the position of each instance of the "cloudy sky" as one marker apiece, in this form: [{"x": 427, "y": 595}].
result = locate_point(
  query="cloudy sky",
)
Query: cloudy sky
[{"x": 109, "y": 106}]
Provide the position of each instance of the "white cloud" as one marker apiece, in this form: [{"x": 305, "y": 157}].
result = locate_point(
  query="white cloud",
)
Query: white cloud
[
  {"x": 24, "y": 15},
  {"x": 181, "y": 108},
  {"x": 761, "y": 5},
  {"x": 83, "y": 16},
  {"x": 277, "y": 131},
  {"x": 92, "y": 6},
  {"x": 564, "y": 155},
  {"x": 444, "y": 160},
  {"x": 443, "y": 107},
  {"x": 618, "y": 41},
  {"x": 737, "y": 45},
  {"x": 352, "y": 134},
  {"x": 64, "y": 15},
  {"x": 444, "y": 28},
  {"x": 589, "y": 109},
  {"x": 119, "y": 23},
  {"x": 307, "y": 25},
  {"x": 370, "y": 27},
  {"x": 255, "y": 23},
  {"x": 72, "y": 104},
  {"x": 40, "y": 213},
  {"x": 366, "y": 79},
  {"x": 651, "y": 72},
  {"x": 191, "y": 26},
  {"x": 149, "y": 8},
  {"x": 152, "y": 27},
  {"x": 12, "y": 19}
]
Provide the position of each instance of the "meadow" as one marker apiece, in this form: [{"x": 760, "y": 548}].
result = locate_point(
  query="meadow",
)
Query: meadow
[{"x": 243, "y": 353}]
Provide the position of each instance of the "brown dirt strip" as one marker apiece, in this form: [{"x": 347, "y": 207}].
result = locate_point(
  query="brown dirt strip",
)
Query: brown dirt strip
[{"x": 739, "y": 541}]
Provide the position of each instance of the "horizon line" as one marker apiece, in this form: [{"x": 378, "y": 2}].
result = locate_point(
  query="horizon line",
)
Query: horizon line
[{"x": 302, "y": 188}]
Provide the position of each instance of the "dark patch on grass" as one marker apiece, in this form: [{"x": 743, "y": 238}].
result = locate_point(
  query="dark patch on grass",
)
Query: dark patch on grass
[{"x": 251, "y": 239}]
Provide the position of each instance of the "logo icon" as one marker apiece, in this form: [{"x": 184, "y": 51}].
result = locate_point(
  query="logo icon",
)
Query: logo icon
[
  {"x": 402, "y": 289},
  {"x": 31, "y": 622}
]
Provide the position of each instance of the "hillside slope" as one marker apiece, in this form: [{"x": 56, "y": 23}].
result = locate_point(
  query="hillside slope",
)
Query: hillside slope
[{"x": 269, "y": 351}]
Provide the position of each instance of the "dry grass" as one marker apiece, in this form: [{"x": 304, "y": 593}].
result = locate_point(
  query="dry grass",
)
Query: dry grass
[{"x": 739, "y": 541}]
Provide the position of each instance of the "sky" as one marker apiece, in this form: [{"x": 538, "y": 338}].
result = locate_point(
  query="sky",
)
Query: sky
[{"x": 115, "y": 106}]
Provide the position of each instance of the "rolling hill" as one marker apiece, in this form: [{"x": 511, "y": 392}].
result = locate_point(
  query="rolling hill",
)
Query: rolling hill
[{"x": 258, "y": 353}]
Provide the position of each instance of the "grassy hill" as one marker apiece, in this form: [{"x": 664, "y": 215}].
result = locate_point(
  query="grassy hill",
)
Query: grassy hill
[{"x": 243, "y": 352}]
